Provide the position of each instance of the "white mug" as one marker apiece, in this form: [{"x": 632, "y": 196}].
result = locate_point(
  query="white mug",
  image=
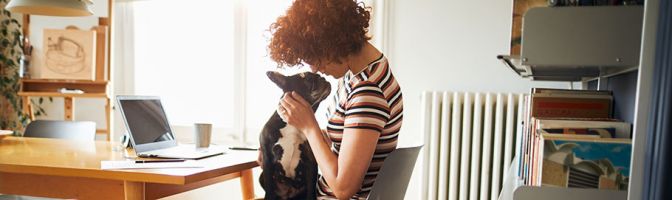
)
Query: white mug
[{"x": 202, "y": 134}]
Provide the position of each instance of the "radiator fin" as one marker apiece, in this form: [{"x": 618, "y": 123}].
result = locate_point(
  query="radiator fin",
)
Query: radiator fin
[{"x": 470, "y": 141}]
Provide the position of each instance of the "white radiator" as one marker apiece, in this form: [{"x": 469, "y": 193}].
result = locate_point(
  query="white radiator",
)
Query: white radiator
[{"x": 469, "y": 143}]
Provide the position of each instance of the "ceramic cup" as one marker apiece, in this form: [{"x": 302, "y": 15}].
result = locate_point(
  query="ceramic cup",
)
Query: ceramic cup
[{"x": 202, "y": 134}]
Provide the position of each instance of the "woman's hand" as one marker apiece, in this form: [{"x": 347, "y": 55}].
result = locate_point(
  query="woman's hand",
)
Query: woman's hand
[{"x": 297, "y": 112}]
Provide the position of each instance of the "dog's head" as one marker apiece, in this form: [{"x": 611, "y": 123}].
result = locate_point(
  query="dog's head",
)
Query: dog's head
[{"x": 312, "y": 87}]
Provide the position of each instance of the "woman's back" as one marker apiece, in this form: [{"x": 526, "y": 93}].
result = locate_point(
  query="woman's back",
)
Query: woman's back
[{"x": 370, "y": 99}]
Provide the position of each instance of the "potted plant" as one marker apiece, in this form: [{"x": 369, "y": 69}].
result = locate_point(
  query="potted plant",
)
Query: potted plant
[{"x": 12, "y": 116}]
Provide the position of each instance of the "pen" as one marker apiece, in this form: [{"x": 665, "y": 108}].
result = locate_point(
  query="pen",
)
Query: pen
[
  {"x": 157, "y": 161},
  {"x": 243, "y": 148}
]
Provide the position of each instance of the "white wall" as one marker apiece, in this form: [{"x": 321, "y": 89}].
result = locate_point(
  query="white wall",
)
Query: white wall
[{"x": 449, "y": 45}]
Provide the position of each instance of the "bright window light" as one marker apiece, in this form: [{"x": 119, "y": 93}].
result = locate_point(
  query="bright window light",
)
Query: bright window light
[{"x": 184, "y": 53}]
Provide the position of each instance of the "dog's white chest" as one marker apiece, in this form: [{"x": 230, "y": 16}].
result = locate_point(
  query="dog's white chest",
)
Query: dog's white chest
[{"x": 291, "y": 154}]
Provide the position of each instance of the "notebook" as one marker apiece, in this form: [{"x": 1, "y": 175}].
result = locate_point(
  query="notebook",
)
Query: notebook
[{"x": 150, "y": 133}]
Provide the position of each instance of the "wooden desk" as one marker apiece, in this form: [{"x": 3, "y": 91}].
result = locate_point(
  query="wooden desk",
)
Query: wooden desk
[{"x": 71, "y": 169}]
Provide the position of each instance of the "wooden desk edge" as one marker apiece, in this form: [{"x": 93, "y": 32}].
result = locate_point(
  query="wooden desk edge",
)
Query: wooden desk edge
[{"x": 126, "y": 175}]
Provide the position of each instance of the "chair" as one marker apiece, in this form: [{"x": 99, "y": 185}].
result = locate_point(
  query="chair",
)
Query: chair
[
  {"x": 395, "y": 174},
  {"x": 71, "y": 130}
]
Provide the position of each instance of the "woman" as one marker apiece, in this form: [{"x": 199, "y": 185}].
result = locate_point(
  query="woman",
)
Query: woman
[{"x": 331, "y": 37}]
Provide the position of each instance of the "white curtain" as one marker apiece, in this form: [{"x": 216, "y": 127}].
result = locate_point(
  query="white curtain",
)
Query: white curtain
[{"x": 122, "y": 57}]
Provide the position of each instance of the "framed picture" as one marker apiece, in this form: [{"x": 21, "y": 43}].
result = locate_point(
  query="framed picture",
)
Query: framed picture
[{"x": 68, "y": 54}]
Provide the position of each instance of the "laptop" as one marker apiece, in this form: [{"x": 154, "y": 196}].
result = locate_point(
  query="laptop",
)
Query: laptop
[{"x": 150, "y": 133}]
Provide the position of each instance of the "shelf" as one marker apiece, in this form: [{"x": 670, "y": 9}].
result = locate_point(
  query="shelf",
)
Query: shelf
[
  {"x": 568, "y": 73},
  {"x": 58, "y": 94},
  {"x": 50, "y": 87},
  {"x": 578, "y": 43},
  {"x": 555, "y": 193},
  {"x": 63, "y": 81},
  {"x": 513, "y": 189}
]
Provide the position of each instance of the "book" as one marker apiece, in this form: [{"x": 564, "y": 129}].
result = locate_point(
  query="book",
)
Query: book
[
  {"x": 559, "y": 114},
  {"x": 571, "y": 103},
  {"x": 585, "y": 163},
  {"x": 537, "y": 137},
  {"x": 579, "y": 132},
  {"x": 569, "y": 91},
  {"x": 621, "y": 129},
  {"x": 571, "y": 106}
]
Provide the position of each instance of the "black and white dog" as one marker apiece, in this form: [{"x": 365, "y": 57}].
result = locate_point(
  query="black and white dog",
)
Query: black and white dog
[{"x": 289, "y": 167}]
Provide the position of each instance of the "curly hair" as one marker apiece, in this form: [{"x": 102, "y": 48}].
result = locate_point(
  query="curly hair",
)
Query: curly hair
[{"x": 319, "y": 31}]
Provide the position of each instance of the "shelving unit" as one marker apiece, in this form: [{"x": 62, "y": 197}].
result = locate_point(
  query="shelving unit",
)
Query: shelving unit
[
  {"x": 574, "y": 44},
  {"x": 578, "y": 43},
  {"x": 100, "y": 87},
  {"x": 48, "y": 88}
]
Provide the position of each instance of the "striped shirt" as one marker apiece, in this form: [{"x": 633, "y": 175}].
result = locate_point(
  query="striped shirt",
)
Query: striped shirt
[{"x": 370, "y": 99}]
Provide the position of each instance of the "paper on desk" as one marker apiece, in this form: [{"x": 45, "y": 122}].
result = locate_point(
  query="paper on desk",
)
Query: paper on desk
[
  {"x": 130, "y": 164},
  {"x": 5, "y": 133}
]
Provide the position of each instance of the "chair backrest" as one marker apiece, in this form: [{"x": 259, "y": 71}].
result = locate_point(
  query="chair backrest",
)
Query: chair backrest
[
  {"x": 394, "y": 175},
  {"x": 72, "y": 130}
]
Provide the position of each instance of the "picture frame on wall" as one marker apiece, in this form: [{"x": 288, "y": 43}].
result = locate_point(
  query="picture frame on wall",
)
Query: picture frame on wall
[{"x": 68, "y": 54}]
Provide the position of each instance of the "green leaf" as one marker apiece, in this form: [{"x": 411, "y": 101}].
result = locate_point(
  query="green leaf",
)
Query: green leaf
[
  {"x": 11, "y": 63},
  {"x": 41, "y": 100},
  {"x": 5, "y": 42}
]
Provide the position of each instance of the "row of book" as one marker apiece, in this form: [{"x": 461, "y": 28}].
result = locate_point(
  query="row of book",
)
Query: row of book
[{"x": 569, "y": 138}]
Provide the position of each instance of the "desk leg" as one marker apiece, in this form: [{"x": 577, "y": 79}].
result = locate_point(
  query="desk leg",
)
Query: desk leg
[
  {"x": 28, "y": 108},
  {"x": 108, "y": 118},
  {"x": 247, "y": 184},
  {"x": 69, "y": 108},
  {"x": 134, "y": 190}
]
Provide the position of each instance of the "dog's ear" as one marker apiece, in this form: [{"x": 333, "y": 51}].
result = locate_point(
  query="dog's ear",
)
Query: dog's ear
[{"x": 277, "y": 78}]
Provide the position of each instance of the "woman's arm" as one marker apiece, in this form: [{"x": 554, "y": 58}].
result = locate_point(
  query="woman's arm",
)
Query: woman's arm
[{"x": 344, "y": 173}]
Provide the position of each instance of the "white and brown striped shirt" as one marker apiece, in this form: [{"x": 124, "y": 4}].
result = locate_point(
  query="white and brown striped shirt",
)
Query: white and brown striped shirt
[{"x": 370, "y": 99}]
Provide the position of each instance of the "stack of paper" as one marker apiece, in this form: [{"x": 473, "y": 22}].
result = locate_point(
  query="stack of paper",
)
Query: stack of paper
[{"x": 5, "y": 133}]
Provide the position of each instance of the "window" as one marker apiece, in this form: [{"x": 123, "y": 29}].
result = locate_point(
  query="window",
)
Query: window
[
  {"x": 207, "y": 59},
  {"x": 184, "y": 54}
]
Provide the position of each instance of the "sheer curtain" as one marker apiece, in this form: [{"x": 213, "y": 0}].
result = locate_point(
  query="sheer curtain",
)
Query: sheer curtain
[{"x": 122, "y": 58}]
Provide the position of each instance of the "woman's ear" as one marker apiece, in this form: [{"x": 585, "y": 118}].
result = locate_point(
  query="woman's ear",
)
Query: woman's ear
[{"x": 277, "y": 78}]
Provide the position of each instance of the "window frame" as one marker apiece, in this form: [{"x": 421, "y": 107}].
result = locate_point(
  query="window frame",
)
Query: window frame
[{"x": 239, "y": 131}]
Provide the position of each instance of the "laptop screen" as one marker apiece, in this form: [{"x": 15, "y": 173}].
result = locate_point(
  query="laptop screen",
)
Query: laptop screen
[{"x": 146, "y": 120}]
